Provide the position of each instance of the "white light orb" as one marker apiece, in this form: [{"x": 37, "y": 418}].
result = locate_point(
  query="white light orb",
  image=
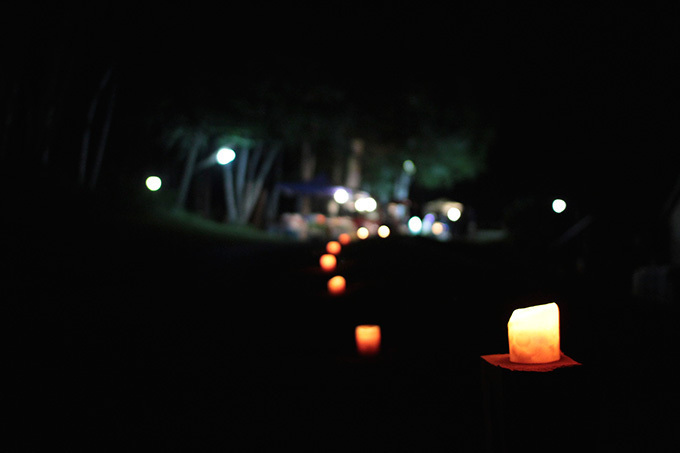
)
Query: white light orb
[
  {"x": 415, "y": 225},
  {"x": 225, "y": 155},
  {"x": 370, "y": 204},
  {"x": 153, "y": 183},
  {"x": 559, "y": 205},
  {"x": 341, "y": 196},
  {"x": 383, "y": 231},
  {"x": 453, "y": 214},
  {"x": 362, "y": 232}
]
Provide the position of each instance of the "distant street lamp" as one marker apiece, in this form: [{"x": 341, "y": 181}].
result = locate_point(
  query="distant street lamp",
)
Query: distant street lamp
[
  {"x": 559, "y": 205},
  {"x": 225, "y": 155},
  {"x": 453, "y": 214},
  {"x": 341, "y": 196},
  {"x": 153, "y": 183}
]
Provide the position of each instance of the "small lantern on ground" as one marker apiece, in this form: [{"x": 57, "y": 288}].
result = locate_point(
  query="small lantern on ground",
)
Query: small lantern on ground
[
  {"x": 333, "y": 247},
  {"x": 534, "y": 334},
  {"x": 328, "y": 262},
  {"x": 336, "y": 285},
  {"x": 368, "y": 340}
]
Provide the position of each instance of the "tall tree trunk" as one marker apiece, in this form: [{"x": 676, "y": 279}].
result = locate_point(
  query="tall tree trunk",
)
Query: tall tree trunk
[
  {"x": 103, "y": 139},
  {"x": 85, "y": 147},
  {"x": 307, "y": 167},
  {"x": 254, "y": 193},
  {"x": 241, "y": 171},
  {"x": 273, "y": 201},
  {"x": 229, "y": 199},
  {"x": 188, "y": 171}
]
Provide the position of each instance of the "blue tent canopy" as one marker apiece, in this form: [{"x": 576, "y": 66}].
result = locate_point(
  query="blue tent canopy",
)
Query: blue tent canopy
[{"x": 319, "y": 186}]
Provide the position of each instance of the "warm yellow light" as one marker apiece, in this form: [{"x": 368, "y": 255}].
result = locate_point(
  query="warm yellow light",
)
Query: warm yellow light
[
  {"x": 344, "y": 239},
  {"x": 383, "y": 231},
  {"x": 368, "y": 339},
  {"x": 534, "y": 334},
  {"x": 362, "y": 233},
  {"x": 454, "y": 214},
  {"x": 437, "y": 228},
  {"x": 328, "y": 262},
  {"x": 333, "y": 247},
  {"x": 336, "y": 285}
]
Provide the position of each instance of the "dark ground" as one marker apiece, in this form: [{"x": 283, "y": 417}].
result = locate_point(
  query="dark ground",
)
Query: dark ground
[{"x": 129, "y": 338}]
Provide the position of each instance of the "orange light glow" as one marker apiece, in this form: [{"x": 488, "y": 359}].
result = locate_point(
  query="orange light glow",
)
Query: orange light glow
[
  {"x": 534, "y": 334},
  {"x": 328, "y": 262},
  {"x": 336, "y": 285},
  {"x": 344, "y": 239},
  {"x": 437, "y": 228},
  {"x": 368, "y": 339},
  {"x": 362, "y": 233},
  {"x": 333, "y": 247}
]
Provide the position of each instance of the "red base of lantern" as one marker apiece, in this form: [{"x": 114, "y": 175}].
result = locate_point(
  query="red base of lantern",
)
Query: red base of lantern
[{"x": 503, "y": 361}]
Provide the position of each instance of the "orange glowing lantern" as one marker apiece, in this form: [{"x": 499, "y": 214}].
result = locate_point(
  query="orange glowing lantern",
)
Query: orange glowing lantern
[
  {"x": 333, "y": 247},
  {"x": 336, "y": 285},
  {"x": 344, "y": 239},
  {"x": 368, "y": 339},
  {"x": 328, "y": 262},
  {"x": 534, "y": 334}
]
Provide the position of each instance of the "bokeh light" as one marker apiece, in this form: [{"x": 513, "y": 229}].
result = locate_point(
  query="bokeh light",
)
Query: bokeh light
[
  {"x": 366, "y": 204},
  {"x": 328, "y": 262},
  {"x": 415, "y": 225},
  {"x": 368, "y": 339},
  {"x": 362, "y": 233},
  {"x": 559, "y": 205},
  {"x": 454, "y": 214},
  {"x": 225, "y": 155},
  {"x": 333, "y": 247},
  {"x": 336, "y": 285},
  {"x": 153, "y": 183},
  {"x": 437, "y": 228},
  {"x": 341, "y": 196},
  {"x": 383, "y": 231}
]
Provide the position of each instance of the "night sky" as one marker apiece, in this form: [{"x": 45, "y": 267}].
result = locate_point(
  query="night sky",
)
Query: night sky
[{"x": 580, "y": 98}]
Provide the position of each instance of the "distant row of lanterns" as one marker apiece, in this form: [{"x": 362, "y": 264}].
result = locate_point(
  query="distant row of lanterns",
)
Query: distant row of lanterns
[
  {"x": 367, "y": 336},
  {"x": 533, "y": 332}
]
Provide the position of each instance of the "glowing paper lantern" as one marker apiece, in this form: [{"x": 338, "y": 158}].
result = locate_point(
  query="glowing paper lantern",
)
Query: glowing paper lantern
[
  {"x": 362, "y": 233},
  {"x": 328, "y": 262},
  {"x": 336, "y": 285},
  {"x": 534, "y": 334},
  {"x": 368, "y": 339},
  {"x": 344, "y": 239},
  {"x": 333, "y": 247},
  {"x": 383, "y": 231}
]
